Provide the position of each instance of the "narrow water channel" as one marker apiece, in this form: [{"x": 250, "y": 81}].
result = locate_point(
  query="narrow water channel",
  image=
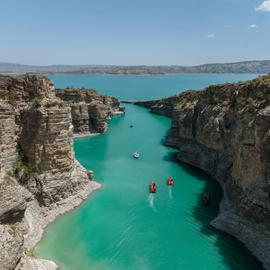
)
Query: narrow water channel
[{"x": 123, "y": 227}]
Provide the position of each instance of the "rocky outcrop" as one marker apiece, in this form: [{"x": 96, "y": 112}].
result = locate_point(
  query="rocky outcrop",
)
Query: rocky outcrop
[
  {"x": 11, "y": 244},
  {"x": 90, "y": 111},
  {"x": 225, "y": 131},
  {"x": 39, "y": 176},
  {"x": 13, "y": 202},
  {"x": 7, "y": 138}
]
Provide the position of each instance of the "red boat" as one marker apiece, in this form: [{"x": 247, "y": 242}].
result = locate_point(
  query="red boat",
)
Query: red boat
[
  {"x": 153, "y": 188},
  {"x": 170, "y": 181},
  {"x": 206, "y": 199}
]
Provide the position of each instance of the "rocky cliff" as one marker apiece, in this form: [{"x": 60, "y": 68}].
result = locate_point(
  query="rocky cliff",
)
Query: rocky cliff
[
  {"x": 225, "y": 131},
  {"x": 89, "y": 110},
  {"x": 39, "y": 176}
]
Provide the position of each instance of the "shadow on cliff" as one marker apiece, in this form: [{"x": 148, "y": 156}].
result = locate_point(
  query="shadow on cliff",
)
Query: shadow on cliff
[
  {"x": 164, "y": 138},
  {"x": 235, "y": 256}
]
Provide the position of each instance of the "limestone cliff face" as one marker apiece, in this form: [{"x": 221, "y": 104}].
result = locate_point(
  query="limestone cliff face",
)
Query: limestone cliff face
[
  {"x": 89, "y": 110},
  {"x": 39, "y": 177},
  {"x": 7, "y": 138},
  {"x": 225, "y": 131}
]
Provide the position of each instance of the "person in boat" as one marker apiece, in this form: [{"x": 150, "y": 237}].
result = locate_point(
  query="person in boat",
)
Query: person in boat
[
  {"x": 153, "y": 187},
  {"x": 136, "y": 154},
  {"x": 170, "y": 181},
  {"x": 206, "y": 198}
]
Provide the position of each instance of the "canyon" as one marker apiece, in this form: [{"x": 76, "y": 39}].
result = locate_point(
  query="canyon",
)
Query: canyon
[
  {"x": 39, "y": 175},
  {"x": 225, "y": 131}
]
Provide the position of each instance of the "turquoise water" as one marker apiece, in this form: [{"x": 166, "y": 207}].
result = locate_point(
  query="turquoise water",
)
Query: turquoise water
[
  {"x": 123, "y": 227},
  {"x": 145, "y": 87}
]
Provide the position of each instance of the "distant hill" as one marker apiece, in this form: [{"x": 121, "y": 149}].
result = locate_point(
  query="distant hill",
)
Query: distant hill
[{"x": 238, "y": 67}]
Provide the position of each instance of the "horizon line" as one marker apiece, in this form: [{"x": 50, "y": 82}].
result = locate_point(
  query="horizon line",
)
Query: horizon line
[{"x": 135, "y": 65}]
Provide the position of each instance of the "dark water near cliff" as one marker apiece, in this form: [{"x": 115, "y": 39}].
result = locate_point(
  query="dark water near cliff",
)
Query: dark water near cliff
[{"x": 123, "y": 227}]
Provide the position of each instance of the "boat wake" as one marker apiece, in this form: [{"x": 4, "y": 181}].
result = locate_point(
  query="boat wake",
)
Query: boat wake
[
  {"x": 151, "y": 199},
  {"x": 170, "y": 192}
]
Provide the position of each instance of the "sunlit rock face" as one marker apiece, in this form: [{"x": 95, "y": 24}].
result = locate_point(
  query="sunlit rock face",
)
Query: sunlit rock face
[
  {"x": 37, "y": 165},
  {"x": 90, "y": 111},
  {"x": 7, "y": 138}
]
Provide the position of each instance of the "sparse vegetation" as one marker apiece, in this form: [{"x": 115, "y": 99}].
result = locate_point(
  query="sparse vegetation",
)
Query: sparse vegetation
[
  {"x": 22, "y": 169},
  {"x": 55, "y": 103},
  {"x": 29, "y": 252},
  {"x": 13, "y": 227},
  {"x": 37, "y": 101},
  {"x": 11, "y": 97},
  {"x": 8, "y": 178},
  {"x": 250, "y": 105}
]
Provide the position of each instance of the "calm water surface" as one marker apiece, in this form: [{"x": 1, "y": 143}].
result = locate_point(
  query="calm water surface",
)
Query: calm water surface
[
  {"x": 146, "y": 87},
  {"x": 123, "y": 227}
]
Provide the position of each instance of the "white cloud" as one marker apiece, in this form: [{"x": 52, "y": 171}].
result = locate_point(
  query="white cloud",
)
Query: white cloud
[
  {"x": 212, "y": 35},
  {"x": 264, "y": 6},
  {"x": 253, "y": 26}
]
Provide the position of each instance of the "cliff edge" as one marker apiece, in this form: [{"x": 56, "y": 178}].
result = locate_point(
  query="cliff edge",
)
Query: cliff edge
[
  {"x": 225, "y": 131},
  {"x": 39, "y": 176},
  {"x": 90, "y": 111}
]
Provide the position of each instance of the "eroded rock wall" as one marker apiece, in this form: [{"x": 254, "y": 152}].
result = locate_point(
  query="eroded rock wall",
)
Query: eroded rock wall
[
  {"x": 225, "y": 131},
  {"x": 7, "y": 138},
  {"x": 90, "y": 111},
  {"x": 39, "y": 177}
]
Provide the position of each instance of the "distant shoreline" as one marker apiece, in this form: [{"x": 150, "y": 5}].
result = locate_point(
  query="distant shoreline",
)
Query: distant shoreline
[
  {"x": 129, "y": 75},
  {"x": 253, "y": 67}
]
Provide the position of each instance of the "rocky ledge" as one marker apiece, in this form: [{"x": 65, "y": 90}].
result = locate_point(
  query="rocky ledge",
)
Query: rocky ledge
[
  {"x": 90, "y": 111},
  {"x": 225, "y": 131},
  {"x": 39, "y": 176}
]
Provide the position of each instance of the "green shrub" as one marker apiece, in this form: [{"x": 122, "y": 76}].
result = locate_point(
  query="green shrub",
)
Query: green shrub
[
  {"x": 29, "y": 252},
  {"x": 11, "y": 97},
  {"x": 22, "y": 169}
]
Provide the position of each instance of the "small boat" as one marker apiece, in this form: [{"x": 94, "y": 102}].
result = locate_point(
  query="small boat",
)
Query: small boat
[
  {"x": 152, "y": 187},
  {"x": 136, "y": 154},
  {"x": 170, "y": 181},
  {"x": 206, "y": 199}
]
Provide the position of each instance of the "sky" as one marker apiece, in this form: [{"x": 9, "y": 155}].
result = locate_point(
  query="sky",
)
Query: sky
[{"x": 134, "y": 32}]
